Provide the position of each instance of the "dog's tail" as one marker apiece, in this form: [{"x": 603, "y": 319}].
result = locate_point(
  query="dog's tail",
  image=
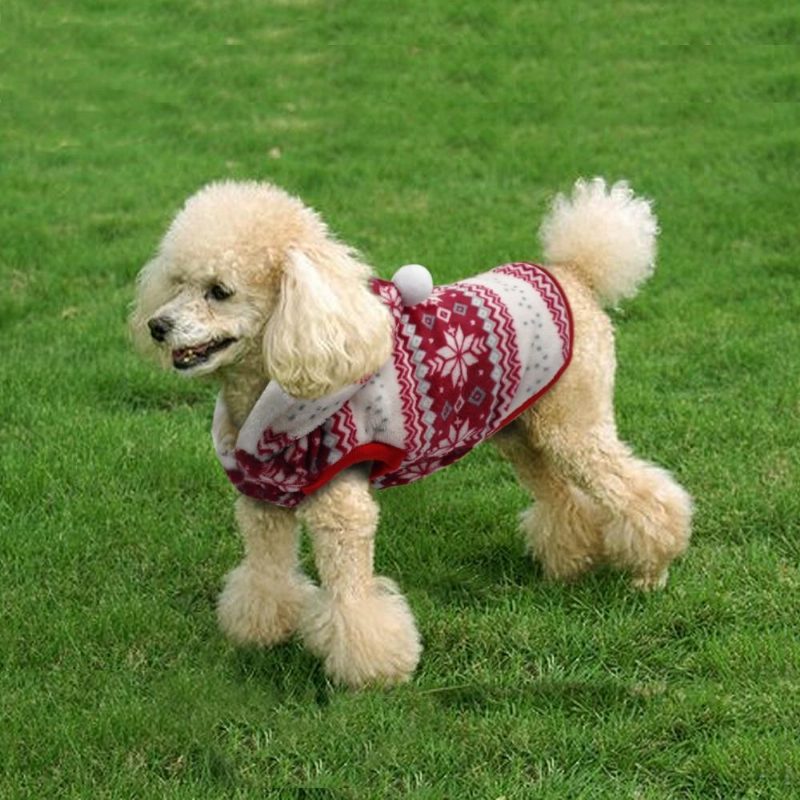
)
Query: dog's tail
[{"x": 607, "y": 236}]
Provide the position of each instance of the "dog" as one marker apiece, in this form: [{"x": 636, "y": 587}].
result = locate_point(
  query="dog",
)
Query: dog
[{"x": 250, "y": 287}]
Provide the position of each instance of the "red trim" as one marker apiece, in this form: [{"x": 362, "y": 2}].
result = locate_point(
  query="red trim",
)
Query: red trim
[
  {"x": 530, "y": 401},
  {"x": 386, "y": 457}
]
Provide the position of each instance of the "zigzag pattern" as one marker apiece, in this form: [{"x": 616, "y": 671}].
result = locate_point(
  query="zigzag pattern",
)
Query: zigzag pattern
[
  {"x": 550, "y": 292},
  {"x": 410, "y": 399},
  {"x": 500, "y": 323},
  {"x": 343, "y": 428},
  {"x": 272, "y": 442}
]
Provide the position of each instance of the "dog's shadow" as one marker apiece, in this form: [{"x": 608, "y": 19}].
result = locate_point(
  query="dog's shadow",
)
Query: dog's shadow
[
  {"x": 474, "y": 578},
  {"x": 481, "y": 579},
  {"x": 478, "y": 577},
  {"x": 287, "y": 671}
]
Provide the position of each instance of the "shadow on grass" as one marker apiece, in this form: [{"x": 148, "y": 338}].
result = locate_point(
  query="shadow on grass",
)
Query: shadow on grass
[
  {"x": 482, "y": 576},
  {"x": 474, "y": 577},
  {"x": 287, "y": 672}
]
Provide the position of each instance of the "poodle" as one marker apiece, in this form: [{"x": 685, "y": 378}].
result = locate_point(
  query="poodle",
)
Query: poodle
[{"x": 314, "y": 414}]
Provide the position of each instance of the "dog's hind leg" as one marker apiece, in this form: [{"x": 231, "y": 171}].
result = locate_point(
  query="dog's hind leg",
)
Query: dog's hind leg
[
  {"x": 572, "y": 431},
  {"x": 359, "y": 624},
  {"x": 563, "y": 529},
  {"x": 263, "y": 596},
  {"x": 648, "y": 514}
]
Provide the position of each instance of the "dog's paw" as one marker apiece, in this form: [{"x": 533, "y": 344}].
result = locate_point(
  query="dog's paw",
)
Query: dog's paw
[
  {"x": 370, "y": 639},
  {"x": 650, "y": 581},
  {"x": 258, "y": 608}
]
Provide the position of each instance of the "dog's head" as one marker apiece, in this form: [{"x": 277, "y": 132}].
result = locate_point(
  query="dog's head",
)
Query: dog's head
[{"x": 247, "y": 273}]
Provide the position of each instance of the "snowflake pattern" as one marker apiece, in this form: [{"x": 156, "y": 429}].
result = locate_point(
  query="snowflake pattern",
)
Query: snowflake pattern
[{"x": 460, "y": 351}]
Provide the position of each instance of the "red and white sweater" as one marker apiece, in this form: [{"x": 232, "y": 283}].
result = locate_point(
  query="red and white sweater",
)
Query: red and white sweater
[{"x": 466, "y": 361}]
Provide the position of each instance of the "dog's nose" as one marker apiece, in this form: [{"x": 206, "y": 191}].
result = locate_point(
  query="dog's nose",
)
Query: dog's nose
[{"x": 159, "y": 328}]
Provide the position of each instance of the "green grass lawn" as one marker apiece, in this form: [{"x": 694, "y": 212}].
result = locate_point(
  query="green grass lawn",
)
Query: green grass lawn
[{"x": 428, "y": 131}]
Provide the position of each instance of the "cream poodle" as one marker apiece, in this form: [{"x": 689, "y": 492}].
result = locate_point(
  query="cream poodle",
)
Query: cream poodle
[{"x": 250, "y": 287}]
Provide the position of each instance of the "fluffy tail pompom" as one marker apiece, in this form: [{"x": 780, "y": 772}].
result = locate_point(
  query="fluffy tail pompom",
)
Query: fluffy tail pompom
[{"x": 607, "y": 236}]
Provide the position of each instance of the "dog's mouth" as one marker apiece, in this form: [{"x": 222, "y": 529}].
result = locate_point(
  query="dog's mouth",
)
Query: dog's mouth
[{"x": 188, "y": 357}]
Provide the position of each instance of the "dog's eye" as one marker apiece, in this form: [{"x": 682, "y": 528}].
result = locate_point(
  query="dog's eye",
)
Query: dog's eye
[{"x": 219, "y": 292}]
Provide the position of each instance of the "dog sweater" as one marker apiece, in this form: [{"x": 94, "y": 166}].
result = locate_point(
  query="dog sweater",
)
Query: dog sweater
[{"x": 466, "y": 360}]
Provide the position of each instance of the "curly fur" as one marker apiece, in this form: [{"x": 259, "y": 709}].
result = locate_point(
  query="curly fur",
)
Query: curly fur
[
  {"x": 296, "y": 308},
  {"x": 608, "y": 236},
  {"x": 344, "y": 333}
]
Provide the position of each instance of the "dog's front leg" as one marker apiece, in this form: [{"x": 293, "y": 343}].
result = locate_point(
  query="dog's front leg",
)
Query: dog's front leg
[
  {"x": 359, "y": 624},
  {"x": 263, "y": 597}
]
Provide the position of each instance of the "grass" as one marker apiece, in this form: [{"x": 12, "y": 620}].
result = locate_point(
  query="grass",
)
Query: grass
[{"x": 434, "y": 132}]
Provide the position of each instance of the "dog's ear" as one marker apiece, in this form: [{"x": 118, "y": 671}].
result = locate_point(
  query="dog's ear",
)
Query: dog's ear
[{"x": 328, "y": 328}]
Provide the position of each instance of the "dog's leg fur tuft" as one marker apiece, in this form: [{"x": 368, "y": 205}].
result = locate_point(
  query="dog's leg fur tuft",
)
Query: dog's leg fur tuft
[{"x": 264, "y": 596}]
